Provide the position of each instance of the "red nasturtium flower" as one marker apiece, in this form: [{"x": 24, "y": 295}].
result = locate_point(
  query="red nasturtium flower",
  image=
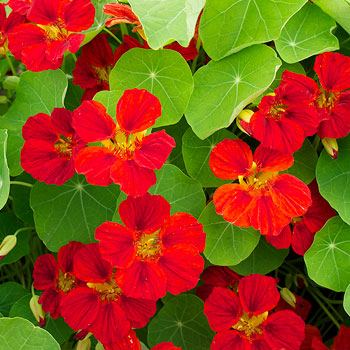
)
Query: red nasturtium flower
[
  {"x": 243, "y": 321},
  {"x": 305, "y": 227},
  {"x": 51, "y": 141},
  {"x": 156, "y": 252},
  {"x": 126, "y": 157},
  {"x": 6, "y": 25},
  {"x": 101, "y": 306},
  {"x": 41, "y": 45},
  {"x": 263, "y": 198},
  {"x": 93, "y": 66},
  {"x": 20, "y": 6},
  {"x": 56, "y": 278}
]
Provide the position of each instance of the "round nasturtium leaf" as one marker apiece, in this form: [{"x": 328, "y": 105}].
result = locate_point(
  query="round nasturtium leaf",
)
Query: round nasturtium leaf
[
  {"x": 182, "y": 322},
  {"x": 226, "y": 244},
  {"x": 333, "y": 178},
  {"x": 346, "y": 301},
  {"x": 307, "y": 33},
  {"x": 167, "y": 20},
  {"x": 10, "y": 292},
  {"x": 264, "y": 259},
  {"x": 71, "y": 212},
  {"x": 196, "y": 153},
  {"x": 228, "y": 26},
  {"x": 222, "y": 89},
  {"x": 164, "y": 73},
  {"x": 18, "y": 333},
  {"x": 328, "y": 259}
]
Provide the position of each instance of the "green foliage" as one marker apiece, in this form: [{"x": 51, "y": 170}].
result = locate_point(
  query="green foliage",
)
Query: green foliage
[
  {"x": 4, "y": 170},
  {"x": 10, "y": 292},
  {"x": 164, "y": 73},
  {"x": 71, "y": 212},
  {"x": 167, "y": 20},
  {"x": 328, "y": 259},
  {"x": 222, "y": 89},
  {"x": 226, "y": 244},
  {"x": 228, "y": 26},
  {"x": 346, "y": 301},
  {"x": 182, "y": 322}
]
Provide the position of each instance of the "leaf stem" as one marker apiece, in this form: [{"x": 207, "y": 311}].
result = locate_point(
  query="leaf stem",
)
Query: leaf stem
[
  {"x": 21, "y": 183},
  {"x": 13, "y": 70},
  {"x": 74, "y": 57},
  {"x": 23, "y": 229},
  {"x": 112, "y": 35},
  {"x": 124, "y": 29},
  {"x": 195, "y": 60}
]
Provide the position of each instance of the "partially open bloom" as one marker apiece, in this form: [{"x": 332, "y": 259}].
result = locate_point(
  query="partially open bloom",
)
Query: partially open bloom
[
  {"x": 20, "y": 6},
  {"x": 37, "y": 310},
  {"x": 263, "y": 198},
  {"x": 305, "y": 227},
  {"x": 217, "y": 276},
  {"x": 93, "y": 66},
  {"x": 126, "y": 157},
  {"x": 56, "y": 278},
  {"x": 156, "y": 252},
  {"x": 244, "y": 320},
  {"x": 50, "y": 147},
  {"x": 7, "y": 244},
  {"x": 7, "y": 24},
  {"x": 40, "y": 45},
  {"x": 101, "y": 306}
]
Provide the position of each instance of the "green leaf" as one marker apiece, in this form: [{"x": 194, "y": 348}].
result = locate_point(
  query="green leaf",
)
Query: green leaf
[
  {"x": 196, "y": 153},
  {"x": 333, "y": 177},
  {"x": 183, "y": 193},
  {"x": 167, "y": 20},
  {"x": 228, "y": 26},
  {"x": 8, "y": 226},
  {"x": 222, "y": 89},
  {"x": 182, "y": 322},
  {"x": 37, "y": 92},
  {"x": 328, "y": 259},
  {"x": 109, "y": 99},
  {"x": 264, "y": 259},
  {"x": 346, "y": 301},
  {"x": 226, "y": 244},
  {"x": 58, "y": 329},
  {"x": 305, "y": 160},
  {"x": 71, "y": 212},
  {"x": 4, "y": 170},
  {"x": 10, "y": 292},
  {"x": 307, "y": 33},
  {"x": 164, "y": 73},
  {"x": 337, "y": 9},
  {"x": 73, "y": 96},
  {"x": 18, "y": 333},
  {"x": 21, "y": 308}
]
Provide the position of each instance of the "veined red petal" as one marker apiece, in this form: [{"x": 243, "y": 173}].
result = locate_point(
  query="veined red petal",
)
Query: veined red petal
[
  {"x": 258, "y": 293},
  {"x": 111, "y": 323},
  {"x": 137, "y": 110},
  {"x": 281, "y": 241},
  {"x": 183, "y": 228},
  {"x": 138, "y": 311},
  {"x": 269, "y": 160},
  {"x": 188, "y": 53},
  {"x": 284, "y": 330},
  {"x": 45, "y": 272},
  {"x": 89, "y": 265},
  {"x": 182, "y": 265},
  {"x": 290, "y": 195},
  {"x": 232, "y": 201},
  {"x": 222, "y": 309},
  {"x": 143, "y": 279},
  {"x": 129, "y": 342},
  {"x": 20, "y": 6},
  {"x": 74, "y": 41},
  {"x": 312, "y": 332},
  {"x": 50, "y": 302},
  {"x": 84, "y": 74},
  {"x": 80, "y": 308},
  {"x": 317, "y": 345},
  {"x": 342, "y": 340},
  {"x": 14, "y": 19},
  {"x": 65, "y": 256},
  {"x": 230, "y": 159},
  {"x": 121, "y": 14},
  {"x": 166, "y": 346},
  {"x": 78, "y": 15},
  {"x": 229, "y": 340},
  {"x": 302, "y": 238},
  {"x": 144, "y": 213},
  {"x": 44, "y": 11},
  {"x": 133, "y": 179},
  {"x": 92, "y": 123},
  {"x": 259, "y": 344},
  {"x": 95, "y": 163},
  {"x": 116, "y": 244},
  {"x": 62, "y": 120},
  {"x": 333, "y": 70},
  {"x": 155, "y": 150},
  {"x": 40, "y": 127},
  {"x": 128, "y": 43}
]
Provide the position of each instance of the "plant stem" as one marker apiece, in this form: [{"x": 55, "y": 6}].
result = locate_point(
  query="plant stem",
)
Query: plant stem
[
  {"x": 194, "y": 62},
  {"x": 21, "y": 183},
  {"x": 13, "y": 70},
  {"x": 124, "y": 29},
  {"x": 316, "y": 142},
  {"x": 112, "y": 35},
  {"x": 23, "y": 229},
  {"x": 74, "y": 57}
]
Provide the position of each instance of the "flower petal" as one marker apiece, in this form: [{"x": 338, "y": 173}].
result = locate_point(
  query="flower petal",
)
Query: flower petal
[
  {"x": 342, "y": 340},
  {"x": 229, "y": 340},
  {"x": 62, "y": 120},
  {"x": 40, "y": 127},
  {"x": 78, "y": 15},
  {"x": 44, "y": 11},
  {"x": 302, "y": 238},
  {"x": 50, "y": 301},
  {"x": 45, "y": 272},
  {"x": 65, "y": 256},
  {"x": 281, "y": 241}
]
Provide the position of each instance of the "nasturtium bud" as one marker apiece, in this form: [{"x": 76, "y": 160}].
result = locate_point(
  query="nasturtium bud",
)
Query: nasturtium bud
[
  {"x": 37, "y": 310},
  {"x": 84, "y": 344},
  {"x": 8, "y": 243},
  {"x": 331, "y": 146},
  {"x": 288, "y": 296}
]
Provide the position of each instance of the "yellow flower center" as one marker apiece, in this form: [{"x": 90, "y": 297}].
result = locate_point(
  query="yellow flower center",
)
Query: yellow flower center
[
  {"x": 257, "y": 180},
  {"x": 64, "y": 146},
  {"x": 65, "y": 281},
  {"x": 148, "y": 246},
  {"x": 326, "y": 100},
  {"x": 108, "y": 291},
  {"x": 250, "y": 324},
  {"x": 55, "y": 31},
  {"x": 102, "y": 74}
]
